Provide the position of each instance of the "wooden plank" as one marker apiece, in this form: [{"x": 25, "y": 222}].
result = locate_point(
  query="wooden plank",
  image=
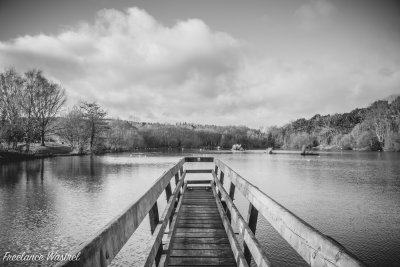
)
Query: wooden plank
[
  {"x": 199, "y": 230},
  {"x": 200, "y": 225},
  {"x": 197, "y": 246},
  {"x": 213, "y": 253},
  {"x": 199, "y": 159},
  {"x": 199, "y": 171},
  {"x": 315, "y": 248},
  {"x": 102, "y": 247},
  {"x": 205, "y": 240},
  {"x": 194, "y": 220},
  {"x": 200, "y": 235},
  {"x": 179, "y": 261}
]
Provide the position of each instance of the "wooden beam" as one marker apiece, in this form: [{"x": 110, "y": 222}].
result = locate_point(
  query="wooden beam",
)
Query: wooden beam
[
  {"x": 315, "y": 248},
  {"x": 198, "y": 181},
  {"x": 200, "y": 171},
  {"x": 102, "y": 247},
  {"x": 199, "y": 159}
]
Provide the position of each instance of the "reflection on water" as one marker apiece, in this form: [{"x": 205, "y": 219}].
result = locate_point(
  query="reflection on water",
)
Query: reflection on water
[{"x": 55, "y": 204}]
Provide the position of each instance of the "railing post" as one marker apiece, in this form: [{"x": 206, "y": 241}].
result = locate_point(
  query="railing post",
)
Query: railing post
[
  {"x": 154, "y": 220},
  {"x": 176, "y": 178},
  {"x": 221, "y": 179},
  {"x": 181, "y": 171},
  {"x": 252, "y": 223},
  {"x": 168, "y": 191},
  {"x": 232, "y": 191},
  {"x": 153, "y": 217}
]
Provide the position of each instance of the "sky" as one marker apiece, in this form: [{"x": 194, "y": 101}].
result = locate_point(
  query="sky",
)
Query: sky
[{"x": 224, "y": 62}]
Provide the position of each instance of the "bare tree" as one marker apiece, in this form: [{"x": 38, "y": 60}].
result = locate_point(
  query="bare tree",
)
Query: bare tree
[
  {"x": 50, "y": 97},
  {"x": 73, "y": 129},
  {"x": 28, "y": 102},
  {"x": 10, "y": 93},
  {"x": 94, "y": 115}
]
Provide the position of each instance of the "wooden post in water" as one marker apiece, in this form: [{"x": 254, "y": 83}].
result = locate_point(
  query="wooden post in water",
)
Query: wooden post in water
[{"x": 252, "y": 223}]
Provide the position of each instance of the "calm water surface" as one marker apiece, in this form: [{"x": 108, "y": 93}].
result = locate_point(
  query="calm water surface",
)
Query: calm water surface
[{"x": 56, "y": 204}]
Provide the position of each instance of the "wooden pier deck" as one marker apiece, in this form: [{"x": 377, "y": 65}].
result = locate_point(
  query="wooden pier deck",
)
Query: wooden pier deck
[
  {"x": 200, "y": 237},
  {"x": 196, "y": 226}
]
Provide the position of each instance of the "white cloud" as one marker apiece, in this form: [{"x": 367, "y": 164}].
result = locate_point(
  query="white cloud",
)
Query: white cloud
[{"x": 135, "y": 66}]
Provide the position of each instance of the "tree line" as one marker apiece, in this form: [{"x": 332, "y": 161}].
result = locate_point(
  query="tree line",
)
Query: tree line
[
  {"x": 376, "y": 127},
  {"x": 30, "y": 110}
]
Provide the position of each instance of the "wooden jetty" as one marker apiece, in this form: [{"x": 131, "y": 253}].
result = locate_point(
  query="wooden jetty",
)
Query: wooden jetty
[{"x": 195, "y": 228}]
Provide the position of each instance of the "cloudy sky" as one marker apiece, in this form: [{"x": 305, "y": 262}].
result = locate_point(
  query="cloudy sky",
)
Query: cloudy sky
[{"x": 254, "y": 63}]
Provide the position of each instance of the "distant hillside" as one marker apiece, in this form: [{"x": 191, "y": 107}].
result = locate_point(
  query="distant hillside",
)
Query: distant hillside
[{"x": 373, "y": 128}]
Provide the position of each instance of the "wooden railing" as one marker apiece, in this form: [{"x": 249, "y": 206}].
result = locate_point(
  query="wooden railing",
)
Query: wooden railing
[
  {"x": 105, "y": 244},
  {"x": 315, "y": 248}
]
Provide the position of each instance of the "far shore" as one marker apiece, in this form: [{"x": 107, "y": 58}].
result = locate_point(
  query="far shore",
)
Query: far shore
[{"x": 52, "y": 149}]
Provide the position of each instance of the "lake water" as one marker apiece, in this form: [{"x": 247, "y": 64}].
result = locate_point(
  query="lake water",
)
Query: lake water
[{"x": 57, "y": 203}]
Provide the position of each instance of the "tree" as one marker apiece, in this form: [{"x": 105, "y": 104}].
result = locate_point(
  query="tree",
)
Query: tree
[
  {"x": 28, "y": 102},
  {"x": 10, "y": 92},
  {"x": 94, "y": 115},
  {"x": 50, "y": 97},
  {"x": 73, "y": 129}
]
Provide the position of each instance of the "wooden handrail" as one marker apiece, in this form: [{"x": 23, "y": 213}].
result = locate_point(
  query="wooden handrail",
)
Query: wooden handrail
[
  {"x": 260, "y": 258},
  {"x": 105, "y": 244},
  {"x": 315, "y": 248}
]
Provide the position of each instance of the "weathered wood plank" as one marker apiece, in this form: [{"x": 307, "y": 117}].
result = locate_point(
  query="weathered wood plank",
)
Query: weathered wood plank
[
  {"x": 199, "y": 159},
  {"x": 105, "y": 244},
  {"x": 214, "y": 253},
  {"x": 198, "y": 246},
  {"x": 315, "y": 248},
  {"x": 199, "y": 171},
  {"x": 199, "y": 230},
  {"x": 201, "y": 235},
  {"x": 179, "y": 261},
  {"x": 200, "y": 225},
  {"x": 205, "y": 240}
]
